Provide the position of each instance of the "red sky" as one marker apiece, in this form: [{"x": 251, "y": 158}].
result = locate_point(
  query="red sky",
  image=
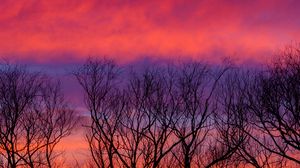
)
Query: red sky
[
  {"x": 53, "y": 31},
  {"x": 47, "y": 30}
]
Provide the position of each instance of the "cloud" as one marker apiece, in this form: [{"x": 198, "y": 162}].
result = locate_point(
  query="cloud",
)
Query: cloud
[{"x": 45, "y": 30}]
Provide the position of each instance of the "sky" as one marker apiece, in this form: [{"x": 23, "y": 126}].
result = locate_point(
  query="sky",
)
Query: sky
[
  {"x": 57, "y": 35},
  {"x": 59, "y": 31}
]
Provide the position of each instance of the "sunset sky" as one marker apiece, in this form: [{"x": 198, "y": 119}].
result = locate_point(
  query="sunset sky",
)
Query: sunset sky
[
  {"x": 52, "y": 31},
  {"x": 57, "y": 35}
]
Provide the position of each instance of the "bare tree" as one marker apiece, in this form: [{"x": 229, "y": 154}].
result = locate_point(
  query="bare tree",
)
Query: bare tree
[
  {"x": 56, "y": 118},
  {"x": 151, "y": 93},
  {"x": 189, "y": 115},
  {"x": 163, "y": 114},
  {"x": 240, "y": 98},
  {"x": 194, "y": 87},
  {"x": 234, "y": 121},
  {"x": 133, "y": 125},
  {"x": 98, "y": 79},
  {"x": 23, "y": 142},
  {"x": 274, "y": 100},
  {"x": 18, "y": 91}
]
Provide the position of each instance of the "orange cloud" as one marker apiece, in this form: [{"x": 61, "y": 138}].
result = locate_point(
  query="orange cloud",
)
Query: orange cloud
[{"x": 127, "y": 29}]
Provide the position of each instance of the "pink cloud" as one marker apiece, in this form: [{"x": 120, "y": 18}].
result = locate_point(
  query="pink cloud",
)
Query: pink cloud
[{"x": 130, "y": 29}]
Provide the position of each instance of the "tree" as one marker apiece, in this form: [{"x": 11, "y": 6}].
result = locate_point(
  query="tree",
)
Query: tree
[
  {"x": 151, "y": 96},
  {"x": 56, "y": 119},
  {"x": 274, "y": 100},
  {"x": 238, "y": 120},
  {"x": 98, "y": 79},
  {"x": 23, "y": 141},
  {"x": 160, "y": 114}
]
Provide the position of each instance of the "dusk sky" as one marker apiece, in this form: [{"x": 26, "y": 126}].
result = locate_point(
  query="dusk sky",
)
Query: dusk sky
[
  {"x": 58, "y": 35},
  {"x": 52, "y": 31}
]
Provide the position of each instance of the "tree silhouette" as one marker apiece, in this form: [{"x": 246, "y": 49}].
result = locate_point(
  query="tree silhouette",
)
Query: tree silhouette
[
  {"x": 274, "y": 100},
  {"x": 33, "y": 117}
]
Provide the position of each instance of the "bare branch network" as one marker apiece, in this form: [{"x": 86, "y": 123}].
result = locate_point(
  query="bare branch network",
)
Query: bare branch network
[{"x": 178, "y": 115}]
